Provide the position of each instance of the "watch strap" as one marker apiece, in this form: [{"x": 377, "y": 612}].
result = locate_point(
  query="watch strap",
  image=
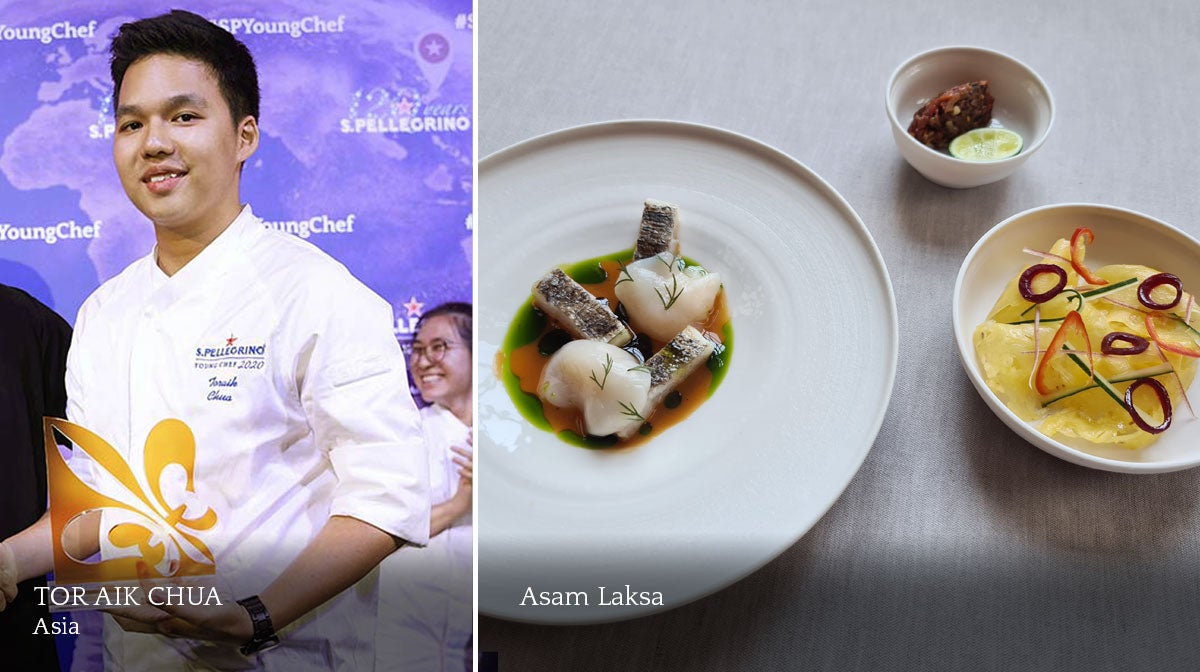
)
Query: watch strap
[{"x": 264, "y": 630}]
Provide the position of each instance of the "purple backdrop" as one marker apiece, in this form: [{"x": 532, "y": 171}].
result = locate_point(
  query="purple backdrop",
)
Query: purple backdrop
[{"x": 366, "y": 148}]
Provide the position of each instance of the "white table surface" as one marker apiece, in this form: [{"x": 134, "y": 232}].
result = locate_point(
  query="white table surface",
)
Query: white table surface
[{"x": 957, "y": 546}]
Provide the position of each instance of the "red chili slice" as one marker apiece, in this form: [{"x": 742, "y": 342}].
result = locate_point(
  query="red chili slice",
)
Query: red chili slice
[
  {"x": 1149, "y": 284},
  {"x": 1137, "y": 344},
  {"x": 1078, "y": 250},
  {"x": 1189, "y": 349},
  {"x": 1025, "y": 284},
  {"x": 1163, "y": 399},
  {"x": 1072, "y": 324}
]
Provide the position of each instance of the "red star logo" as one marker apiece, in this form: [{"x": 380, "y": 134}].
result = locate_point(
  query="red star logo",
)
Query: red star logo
[
  {"x": 230, "y": 340},
  {"x": 404, "y": 107},
  {"x": 413, "y": 307}
]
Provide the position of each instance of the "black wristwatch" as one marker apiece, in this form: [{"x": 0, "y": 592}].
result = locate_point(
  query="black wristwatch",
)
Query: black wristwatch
[{"x": 264, "y": 631}]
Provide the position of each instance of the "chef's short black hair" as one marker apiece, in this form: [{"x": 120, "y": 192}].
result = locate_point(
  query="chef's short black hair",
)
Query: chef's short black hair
[
  {"x": 194, "y": 37},
  {"x": 458, "y": 312}
]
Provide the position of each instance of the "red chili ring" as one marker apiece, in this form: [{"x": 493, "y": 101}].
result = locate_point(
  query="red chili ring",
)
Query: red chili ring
[
  {"x": 1137, "y": 344},
  {"x": 1163, "y": 400},
  {"x": 1149, "y": 284},
  {"x": 1025, "y": 284}
]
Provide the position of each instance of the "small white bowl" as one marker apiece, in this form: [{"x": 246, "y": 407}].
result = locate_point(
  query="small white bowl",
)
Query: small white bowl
[
  {"x": 1122, "y": 237},
  {"x": 1023, "y": 104}
]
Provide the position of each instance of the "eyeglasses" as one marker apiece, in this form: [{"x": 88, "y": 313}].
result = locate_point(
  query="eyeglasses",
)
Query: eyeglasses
[{"x": 434, "y": 352}]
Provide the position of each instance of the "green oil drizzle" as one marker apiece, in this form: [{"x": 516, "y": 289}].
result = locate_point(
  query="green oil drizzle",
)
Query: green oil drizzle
[
  {"x": 589, "y": 442},
  {"x": 590, "y": 272},
  {"x": 718, "y": 362},
  {"x": 526, "y": 327}
]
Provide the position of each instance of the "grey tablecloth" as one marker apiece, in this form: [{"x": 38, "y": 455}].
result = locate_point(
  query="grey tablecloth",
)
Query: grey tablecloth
[{"x": 958, "y": 545}]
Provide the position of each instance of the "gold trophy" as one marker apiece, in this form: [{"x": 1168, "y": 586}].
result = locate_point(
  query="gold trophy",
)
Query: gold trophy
[{"x": 118, "y": 532}]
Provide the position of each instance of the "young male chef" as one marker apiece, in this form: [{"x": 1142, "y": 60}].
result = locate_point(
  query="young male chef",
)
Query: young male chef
[{"x": 284, "y": 367}]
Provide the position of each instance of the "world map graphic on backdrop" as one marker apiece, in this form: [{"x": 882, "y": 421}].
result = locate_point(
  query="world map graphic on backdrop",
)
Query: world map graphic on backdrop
[{"x": 365, "y": 152}]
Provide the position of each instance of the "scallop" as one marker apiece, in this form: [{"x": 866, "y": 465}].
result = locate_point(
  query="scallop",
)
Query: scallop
[
  {"x": 662, "y": 294},
  {"x": 603, "y": 381}
]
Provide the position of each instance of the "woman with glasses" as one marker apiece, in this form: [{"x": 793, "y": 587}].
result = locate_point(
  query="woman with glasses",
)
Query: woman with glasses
[{"x": 425, "y": 593}]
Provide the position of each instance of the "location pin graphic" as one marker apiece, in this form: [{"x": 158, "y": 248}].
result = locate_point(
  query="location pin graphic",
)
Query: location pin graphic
[{"x": 434, "y": 58}]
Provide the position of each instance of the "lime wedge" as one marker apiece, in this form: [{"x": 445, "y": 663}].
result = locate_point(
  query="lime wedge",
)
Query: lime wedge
[{"x": 985, "y": 144}]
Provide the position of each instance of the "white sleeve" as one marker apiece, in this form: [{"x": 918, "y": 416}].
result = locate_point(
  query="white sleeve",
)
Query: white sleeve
[
  {"x": 354, "y": 390},
  {"x": 80, "y": 378},
  {"x": 82, "y": 464},
  {"x": 75, "y": 359},
  {"x": 77, "y": 366}
]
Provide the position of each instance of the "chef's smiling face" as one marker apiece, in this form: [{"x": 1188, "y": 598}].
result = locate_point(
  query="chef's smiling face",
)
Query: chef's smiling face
[
  {"x": 177, "y": 148},
  {"x": 446, "y": 381}
]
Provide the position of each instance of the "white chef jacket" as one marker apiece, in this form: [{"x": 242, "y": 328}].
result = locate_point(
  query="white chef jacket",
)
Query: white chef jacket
[
  {"x": 425, "y": 605},
  {"x": 286, "y": 369}
]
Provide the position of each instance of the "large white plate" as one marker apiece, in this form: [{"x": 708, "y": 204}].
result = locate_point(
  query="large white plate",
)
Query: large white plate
[
  {"x": 1121, "y": 237},
  {"x": 722, "y": 493}
]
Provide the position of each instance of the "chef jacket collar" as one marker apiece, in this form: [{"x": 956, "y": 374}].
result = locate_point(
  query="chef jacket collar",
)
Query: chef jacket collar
[{"x": 210, "y": 264}]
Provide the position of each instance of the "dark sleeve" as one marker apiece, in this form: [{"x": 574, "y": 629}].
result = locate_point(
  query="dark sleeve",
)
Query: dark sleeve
[
  {"x": 33, "y": 348},
  {"x": 55, "y": 340},
  {"x": 33, "y": 351}
]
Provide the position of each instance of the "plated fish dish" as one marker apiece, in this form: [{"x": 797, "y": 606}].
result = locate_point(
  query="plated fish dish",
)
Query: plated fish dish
[{"x": 612, "y": 350}]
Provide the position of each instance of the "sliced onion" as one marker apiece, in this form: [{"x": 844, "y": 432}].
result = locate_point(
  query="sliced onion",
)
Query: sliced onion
[
  {"x": 1044, "y": 255},
  {"x": 1137, "y": 344},
  {"x": 1163, "y": 400},
  {"x": 1025, "y": 284},
  {"x": 1149, "y": 284},
  {"x": 1178, "y": 381},
  {"x": 1123, "y": 305}
]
